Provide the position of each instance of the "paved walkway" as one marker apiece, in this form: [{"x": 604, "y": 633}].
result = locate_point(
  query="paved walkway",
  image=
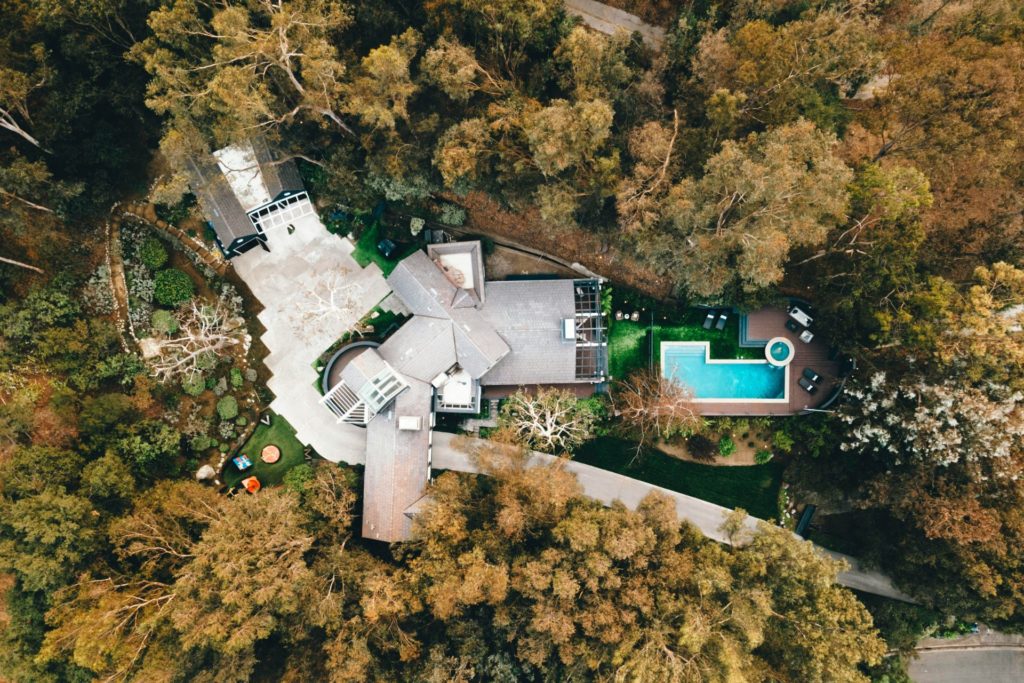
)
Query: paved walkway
[
  {"x": 606, "y": 19},
  {"x": 312, "y": 291},
  {"x": 608, "y": 486}
]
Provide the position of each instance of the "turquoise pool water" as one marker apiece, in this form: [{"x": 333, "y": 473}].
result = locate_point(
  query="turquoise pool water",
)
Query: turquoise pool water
[
  {"x": 725, "y": 380},
  {"x": 780, "y": 351}
]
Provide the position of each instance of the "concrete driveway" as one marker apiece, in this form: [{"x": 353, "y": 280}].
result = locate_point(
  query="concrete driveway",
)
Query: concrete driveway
[{"x": 312, "y": 291}]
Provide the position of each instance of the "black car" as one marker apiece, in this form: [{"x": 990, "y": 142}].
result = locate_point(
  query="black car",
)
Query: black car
[
  {"x": 812, "y": 375},
  {"x": 807, "y": 386}
]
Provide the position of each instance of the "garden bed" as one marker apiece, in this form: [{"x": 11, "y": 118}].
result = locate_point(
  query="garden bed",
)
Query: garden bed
[
  {"x": 754, "y": 488},
  {"x": 366, "y": 251}
]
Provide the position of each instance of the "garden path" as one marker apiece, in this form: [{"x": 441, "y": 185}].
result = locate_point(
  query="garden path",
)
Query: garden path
[
  {"x": 312, "y": 291},
  {"x": 607, "y": 487}
]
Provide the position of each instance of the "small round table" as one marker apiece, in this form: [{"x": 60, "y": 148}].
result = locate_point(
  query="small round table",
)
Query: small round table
[{"x": 270, "y": 454}]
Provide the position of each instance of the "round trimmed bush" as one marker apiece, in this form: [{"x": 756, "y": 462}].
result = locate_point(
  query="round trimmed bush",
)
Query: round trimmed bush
[
  {"x": 153, "y": 253},
  {"x": 194, "y": 385},
  {"x": 763, "y": 456},
  {"x": 173, "y": 287},
  {"x": 227, "y": 408},
  {"x": 726, "y": 446},
  {"x": 164, "y": 322}
]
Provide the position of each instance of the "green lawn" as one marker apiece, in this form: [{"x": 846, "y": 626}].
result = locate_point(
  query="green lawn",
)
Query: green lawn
[
  {"x": 366, "y": 250},
  {"x": 282, "y": 435},
  {"x": 754, "y": 488},
  {"x": 627, "y": 349}
]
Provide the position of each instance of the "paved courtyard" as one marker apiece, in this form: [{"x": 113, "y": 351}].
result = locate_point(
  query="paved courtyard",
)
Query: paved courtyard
[{"x": 312, "y": 291}]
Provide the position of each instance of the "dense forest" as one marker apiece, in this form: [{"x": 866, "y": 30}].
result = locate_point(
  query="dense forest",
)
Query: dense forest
[{"x": 864, "y": 154}]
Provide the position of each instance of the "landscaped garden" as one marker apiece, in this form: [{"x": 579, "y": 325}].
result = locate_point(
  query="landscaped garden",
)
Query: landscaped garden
[
  {"x": 366, "y": 250},
  {"x": 279, "y": 433},
  {"x": 754, "y": 488},
  {"x": 629, "y": 349}
]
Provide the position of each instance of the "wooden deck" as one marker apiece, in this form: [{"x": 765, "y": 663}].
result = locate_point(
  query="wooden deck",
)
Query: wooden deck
[{"x": 764, "y": 325}]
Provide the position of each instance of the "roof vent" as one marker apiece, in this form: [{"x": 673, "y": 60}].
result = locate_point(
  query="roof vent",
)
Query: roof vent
[{"x": 568, "y": 329}]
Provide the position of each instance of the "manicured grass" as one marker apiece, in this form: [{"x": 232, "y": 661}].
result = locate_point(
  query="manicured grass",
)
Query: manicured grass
[
  {"x": 282, "y": 435},
  {"x": 754, "y": 488},
  {"x": 366, "y": 251},
  {"x": 628, "y": 350}
]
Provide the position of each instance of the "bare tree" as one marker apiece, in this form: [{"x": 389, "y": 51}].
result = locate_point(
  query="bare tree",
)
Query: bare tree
[
  {"x": 334, "y": 300},
  {"x": 654, "y": 406},
  {"x": 19, "y": 263},
  {"x": 205, "y": 330},
  {"x": 550, "y": 421}
]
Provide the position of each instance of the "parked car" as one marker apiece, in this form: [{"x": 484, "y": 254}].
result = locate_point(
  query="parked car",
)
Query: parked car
[
  {"x": 812, "y": 375},
  {"x": 807, "y": 386}
]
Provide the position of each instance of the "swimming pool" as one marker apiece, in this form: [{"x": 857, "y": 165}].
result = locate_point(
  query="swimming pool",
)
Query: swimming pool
[{"x": 713, "y": 380}]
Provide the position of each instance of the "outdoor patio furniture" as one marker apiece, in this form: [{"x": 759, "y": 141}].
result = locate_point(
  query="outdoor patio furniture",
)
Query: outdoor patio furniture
[
  {"x": 242, "y": 462},
  {"x": 618, "y": 315},
  {"x": 387, "y": 248},
  {"x": 806, "y": 336},
  {"x": 709, "y": 320},
  {"x": 799, "y": 315},
  {"x": 724, "y": 318},
  {"x": 251, "y": 484},
  {"x": 812, "y": 375},
  {"x": 270, "y": 454},
  {"x": 806, "y": 385},
  {"x": 634, "y": 316}
]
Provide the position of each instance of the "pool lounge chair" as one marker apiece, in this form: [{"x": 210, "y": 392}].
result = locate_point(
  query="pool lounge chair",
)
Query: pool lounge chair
[
  {"x": 812, "y": 375},
  {"x": 709, "y": 320},
  {"x": 721, "y": 321},
  {"x": 807, "y": 386}
]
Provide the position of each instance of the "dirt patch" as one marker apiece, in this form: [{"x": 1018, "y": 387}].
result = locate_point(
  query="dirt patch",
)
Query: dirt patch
[
  {"x": 505, "y": 262},
  {"x": 598, "y": 252},
  {"x": 744, "y": 454}
]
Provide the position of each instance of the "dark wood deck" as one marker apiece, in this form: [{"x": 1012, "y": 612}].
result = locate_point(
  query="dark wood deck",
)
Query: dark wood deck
[{"x": 766, "y": 324}]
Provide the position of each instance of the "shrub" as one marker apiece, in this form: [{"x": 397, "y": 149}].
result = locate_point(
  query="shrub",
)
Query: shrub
[
  {"x": 701, "y": 447},
  {"x": 416, "y": 225},
  {"x": 164, "y": 322},
  {"x": 153, "y": 253},
  {"x": 242, "y": 420},
  {"x": 201, "y": 442},
  {"x": 226, "y": 430},
  {"x": 194, "y": 385},
  {"x": 223, "y": 447},
  {"x": 236, "y": 378},
  {"x": 452, "y": 214},
  {"x": 297, "y": 477},
  {"x": 782, "y": 441},
  {"x": 221, "y": 387},
  {"x": 763, "y": 456},
  {"x": 251, "y": 375},
  {"x": 726, "y": 446},
  {"x": 227, "y": 408},
  {"x": 173, "y": 287}
]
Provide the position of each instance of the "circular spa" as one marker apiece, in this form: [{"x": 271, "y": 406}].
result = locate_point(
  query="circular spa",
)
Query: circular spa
[
  {"x": 779, "y": 352},
  {"x": 337, "y": 363}
]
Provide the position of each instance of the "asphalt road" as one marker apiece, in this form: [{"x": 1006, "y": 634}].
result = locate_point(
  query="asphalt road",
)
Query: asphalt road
[{"x": 976, "y": 665}]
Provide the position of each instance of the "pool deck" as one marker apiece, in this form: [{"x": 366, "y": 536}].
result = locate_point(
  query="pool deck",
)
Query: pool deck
[{"x": 764, "y": 325}]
